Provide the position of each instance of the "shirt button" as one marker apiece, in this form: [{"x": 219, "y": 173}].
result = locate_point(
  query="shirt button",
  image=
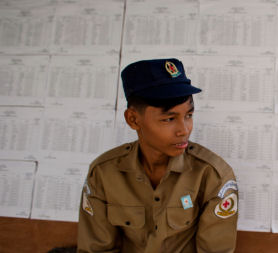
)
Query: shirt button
[
  {"x": 139, "y": 178},
  {"x": 157, "y": 199}
]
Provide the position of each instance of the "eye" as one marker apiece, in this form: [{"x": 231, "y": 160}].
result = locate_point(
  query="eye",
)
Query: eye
[
  {"x": 189, "y": 116},
  {"x": 168, "y": 119}
]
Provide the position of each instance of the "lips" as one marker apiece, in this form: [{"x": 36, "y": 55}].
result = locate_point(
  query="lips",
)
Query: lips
[{"x": 181, "y": 145}]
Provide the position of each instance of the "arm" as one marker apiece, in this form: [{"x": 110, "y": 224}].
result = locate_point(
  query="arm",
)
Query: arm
[
  {"x": 95, "y": 233},
  {"x": 218, "y": 221}
]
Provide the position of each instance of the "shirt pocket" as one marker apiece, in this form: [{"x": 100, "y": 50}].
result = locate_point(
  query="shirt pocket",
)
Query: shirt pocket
[
  {"x": 179, "y": 218},
  {"x": 126, "y": 216}
]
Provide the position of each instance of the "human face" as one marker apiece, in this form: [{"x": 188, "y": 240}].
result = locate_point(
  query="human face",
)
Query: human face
[{"x": 165, "y": 133}]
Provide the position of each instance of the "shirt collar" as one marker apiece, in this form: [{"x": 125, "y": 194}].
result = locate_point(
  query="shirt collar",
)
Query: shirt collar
[
  {"x": 179, "y": 163},
  {"x": 131, "y": 161}
]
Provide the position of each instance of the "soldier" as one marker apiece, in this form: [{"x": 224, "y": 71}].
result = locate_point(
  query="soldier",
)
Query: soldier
[{"x": 161, "y": 193}]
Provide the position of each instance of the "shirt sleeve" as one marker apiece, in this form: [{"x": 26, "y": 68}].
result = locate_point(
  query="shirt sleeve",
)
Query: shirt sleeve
[
  {"x": 217, "y": 228},
  {"x": 95, "y": 232}
]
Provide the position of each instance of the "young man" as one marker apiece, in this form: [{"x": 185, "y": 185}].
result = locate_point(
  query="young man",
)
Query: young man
[{"x": 162, "y": 193}]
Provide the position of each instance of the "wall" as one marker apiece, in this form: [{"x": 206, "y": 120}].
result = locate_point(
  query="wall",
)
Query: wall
[{"x": 62, "y": 102}]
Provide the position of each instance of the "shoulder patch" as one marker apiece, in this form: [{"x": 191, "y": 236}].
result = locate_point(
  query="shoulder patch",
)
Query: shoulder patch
[
  {"x": 86, "y": 188},
  {"x": 209, "y": 157},
  {"x": 86, "y": 205},
  {"x": 231, "y": 184},
  {"x": 227, "y": 207}
]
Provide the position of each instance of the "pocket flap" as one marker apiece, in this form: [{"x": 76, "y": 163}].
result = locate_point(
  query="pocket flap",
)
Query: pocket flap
[
  {"x": 127, "y": 216},
  {"x": 178, "y": 218}
]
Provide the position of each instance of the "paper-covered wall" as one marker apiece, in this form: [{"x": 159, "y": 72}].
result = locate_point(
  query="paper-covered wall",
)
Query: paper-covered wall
[{"x": 61, "y": 100}]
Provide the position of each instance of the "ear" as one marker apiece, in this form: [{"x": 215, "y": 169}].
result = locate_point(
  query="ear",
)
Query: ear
[{"x": 132, "y": 118}]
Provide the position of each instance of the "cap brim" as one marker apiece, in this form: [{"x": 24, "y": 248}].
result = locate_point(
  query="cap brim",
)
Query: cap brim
[{"x": 168, "y": 91}]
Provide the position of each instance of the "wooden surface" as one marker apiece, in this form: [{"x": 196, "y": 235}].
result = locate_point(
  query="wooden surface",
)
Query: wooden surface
[{"x": 37, "y": 236}]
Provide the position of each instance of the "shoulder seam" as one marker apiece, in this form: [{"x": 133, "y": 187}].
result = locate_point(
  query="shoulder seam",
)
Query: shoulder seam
[
  {"x": 209, "y": 157},
  {"x": 109, "y": 155}
]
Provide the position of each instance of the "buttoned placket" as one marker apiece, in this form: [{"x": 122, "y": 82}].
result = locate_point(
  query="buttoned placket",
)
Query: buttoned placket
[
  {"x": 155, "y": 200},
  {"x": 159, "y": 201}
]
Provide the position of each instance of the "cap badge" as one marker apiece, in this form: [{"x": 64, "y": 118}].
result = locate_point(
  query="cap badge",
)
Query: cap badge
[{"x": 172, "y": 69}]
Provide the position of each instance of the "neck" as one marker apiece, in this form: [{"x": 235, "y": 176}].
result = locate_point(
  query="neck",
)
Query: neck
[
  {"x": 154, "y": 165},
  {"x": 153, "y": 160}
]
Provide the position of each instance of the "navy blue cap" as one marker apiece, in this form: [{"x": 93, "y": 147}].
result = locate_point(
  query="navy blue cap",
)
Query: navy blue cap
[{"x": 158, "y": 79}]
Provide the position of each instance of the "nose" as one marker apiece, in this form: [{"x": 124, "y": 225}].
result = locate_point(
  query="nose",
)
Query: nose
[{"x": 183, "y": 128}]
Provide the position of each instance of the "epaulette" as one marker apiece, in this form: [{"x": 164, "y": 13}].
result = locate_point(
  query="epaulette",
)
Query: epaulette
[
  {"x": 209, "y": 157},
  {"x": 111, "y": 154}
]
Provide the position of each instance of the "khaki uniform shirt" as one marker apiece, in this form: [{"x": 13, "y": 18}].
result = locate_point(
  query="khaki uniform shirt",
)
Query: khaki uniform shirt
[{"x": 193, "y": 209}]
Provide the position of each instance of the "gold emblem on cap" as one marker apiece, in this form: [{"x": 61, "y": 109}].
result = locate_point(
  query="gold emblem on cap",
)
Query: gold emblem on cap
[{"x": 172, "y": 69}]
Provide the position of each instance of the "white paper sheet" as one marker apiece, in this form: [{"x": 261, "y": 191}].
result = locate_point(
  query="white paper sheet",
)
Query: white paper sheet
[
  {"x": 231, "y": 83},
  {"x": 58, "y": 191},
  {"x": 75, "y": 135},
  {"x": 241, "y": 136},
  {"x": 23, "y": 80},
  {"x": 159, "y": 1},
  {"x": 19, "y": 132},
  {"x": 25, "y": 30},
  {"x": 274, "y": 220},
  {"x": 16, "y": 188},
  {"x": 275, "y": 95},
  {"x": 161, "y": 25},
  {"x": 90, "y": 81},
  {"x": 254, "y": 184},
  {"x": 86, "y": 27},
  {"x": 27, "y": 4},
  {"x": 237, "y": 27},
  {"x": 122, "y": 133}
]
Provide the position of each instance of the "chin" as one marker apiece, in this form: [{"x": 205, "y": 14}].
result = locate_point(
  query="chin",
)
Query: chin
[{"x": 177, "y": 153}]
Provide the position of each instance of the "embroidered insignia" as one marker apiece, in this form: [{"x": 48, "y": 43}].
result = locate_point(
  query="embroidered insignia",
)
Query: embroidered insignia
[
  {"x": 86, "y": 205},
  {"x": 186, "y": 202},
  {"x": 227, "y": 207},
  {"x": 86, "y": 188},
  {"x": 231, "y": 184},
  {"x": 172, "y": 69}
]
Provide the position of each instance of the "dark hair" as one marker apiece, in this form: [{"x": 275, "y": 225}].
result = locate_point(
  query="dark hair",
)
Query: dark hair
[{"x": 165, "y": 104}]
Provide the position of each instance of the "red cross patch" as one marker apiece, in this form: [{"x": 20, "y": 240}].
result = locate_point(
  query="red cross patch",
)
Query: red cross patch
[{"x": 227, "y": 207}]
